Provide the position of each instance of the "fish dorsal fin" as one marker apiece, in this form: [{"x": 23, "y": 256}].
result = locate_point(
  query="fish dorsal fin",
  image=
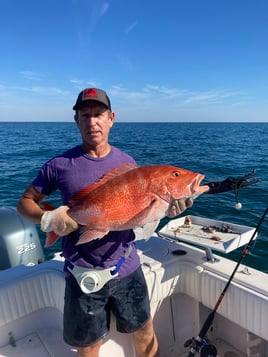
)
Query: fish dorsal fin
[{"x": 119, "y": 170}]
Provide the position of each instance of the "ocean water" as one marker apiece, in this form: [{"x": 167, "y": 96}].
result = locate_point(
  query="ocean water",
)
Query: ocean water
[{"x": 217, "y": 150}]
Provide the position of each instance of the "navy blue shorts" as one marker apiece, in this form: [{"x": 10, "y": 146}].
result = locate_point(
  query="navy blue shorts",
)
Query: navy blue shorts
[{"x": 87, "y": 316}]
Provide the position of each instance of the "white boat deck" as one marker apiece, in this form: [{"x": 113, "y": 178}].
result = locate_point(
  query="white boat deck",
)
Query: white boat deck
[
  {"x": 48, "y": 343},
  {"x": 42, "y": 343},
  {"x": 182, "y": 290}
]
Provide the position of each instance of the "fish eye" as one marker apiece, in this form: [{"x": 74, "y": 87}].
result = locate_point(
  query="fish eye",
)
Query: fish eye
[{"x": 176, "y": 173}]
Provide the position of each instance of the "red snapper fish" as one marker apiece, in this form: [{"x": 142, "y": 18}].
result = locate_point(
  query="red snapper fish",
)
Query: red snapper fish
[{"x": 130, "y": 197}]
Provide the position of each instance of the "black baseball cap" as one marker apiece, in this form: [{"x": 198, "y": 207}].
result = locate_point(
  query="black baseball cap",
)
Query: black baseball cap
[{"x": 92, "y": 94}]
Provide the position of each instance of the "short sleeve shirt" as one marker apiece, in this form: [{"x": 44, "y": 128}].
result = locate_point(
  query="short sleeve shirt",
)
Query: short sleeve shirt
[{"x": 70, "y": 172}]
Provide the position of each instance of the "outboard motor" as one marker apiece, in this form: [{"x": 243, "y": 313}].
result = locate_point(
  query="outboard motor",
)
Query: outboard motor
[{"x": 19, "y": 240}]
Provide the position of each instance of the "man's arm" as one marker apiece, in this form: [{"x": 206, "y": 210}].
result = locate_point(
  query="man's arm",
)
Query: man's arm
[
  {"x": 28, "y": 205},
  {"x": 56, "y": 220}
]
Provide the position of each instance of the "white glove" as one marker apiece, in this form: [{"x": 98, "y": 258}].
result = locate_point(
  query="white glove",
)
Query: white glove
[
  {"x": 176, "y": 207},
  {"x": 58, "y": 221}
]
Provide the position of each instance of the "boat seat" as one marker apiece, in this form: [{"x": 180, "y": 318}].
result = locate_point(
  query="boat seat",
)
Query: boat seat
[{"x": 33, "y": 296}]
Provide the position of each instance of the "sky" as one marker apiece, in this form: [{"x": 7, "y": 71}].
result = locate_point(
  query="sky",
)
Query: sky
[{"x": 172, "y": 60}]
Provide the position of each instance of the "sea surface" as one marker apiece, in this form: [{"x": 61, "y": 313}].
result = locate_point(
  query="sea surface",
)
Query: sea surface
[{"x": 218, "y": 150}]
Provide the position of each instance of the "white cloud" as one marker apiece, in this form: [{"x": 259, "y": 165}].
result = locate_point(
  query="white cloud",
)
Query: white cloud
[
  {"x": 165, "y": 92},
  {"x": 130, "y": 27},
  {"x": 104, "y": 8},
  {"x": 158, "y": 100},
  {"x": 77, "y": 82},
  {"x": 81, "y": 83},
  {"x": 23, "y": 93},
  {"x": 34, "y": 76},
  {"x": 87, "y": 19},
  {"x": 157, "y": 95},
  {"x": 212, "y": 96}
]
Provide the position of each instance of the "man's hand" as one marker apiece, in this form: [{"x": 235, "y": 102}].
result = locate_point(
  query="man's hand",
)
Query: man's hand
[
  {"x": 58, "y": 221},
  {"x": 176, "y": 207}
]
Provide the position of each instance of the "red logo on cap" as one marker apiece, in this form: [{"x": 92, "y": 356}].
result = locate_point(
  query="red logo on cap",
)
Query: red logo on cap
[{"x": 90, "y": 93}]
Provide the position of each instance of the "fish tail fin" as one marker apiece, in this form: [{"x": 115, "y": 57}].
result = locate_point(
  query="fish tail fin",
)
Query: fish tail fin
[{"x": 51, "y": 238}]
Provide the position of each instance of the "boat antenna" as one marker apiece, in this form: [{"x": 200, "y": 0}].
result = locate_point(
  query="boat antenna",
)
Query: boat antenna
[{"x": 199, "y": 344}]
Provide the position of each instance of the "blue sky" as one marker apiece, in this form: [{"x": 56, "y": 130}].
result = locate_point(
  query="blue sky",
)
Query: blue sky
[{"x": 173, "y": 60}]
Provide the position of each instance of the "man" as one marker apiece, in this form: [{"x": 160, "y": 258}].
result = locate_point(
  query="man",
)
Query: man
[{"x": 86, "y": 313}]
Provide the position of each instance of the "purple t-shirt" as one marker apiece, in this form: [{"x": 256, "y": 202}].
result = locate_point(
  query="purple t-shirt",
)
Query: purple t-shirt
[{"x": 69, "y": 173}]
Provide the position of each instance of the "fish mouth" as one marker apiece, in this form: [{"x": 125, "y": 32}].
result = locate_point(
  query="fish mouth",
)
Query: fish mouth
[{"x": 196, "y": 189}]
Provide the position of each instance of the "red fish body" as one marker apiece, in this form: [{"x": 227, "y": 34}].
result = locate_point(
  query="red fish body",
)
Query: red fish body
[{"x": 130, "y": 197}]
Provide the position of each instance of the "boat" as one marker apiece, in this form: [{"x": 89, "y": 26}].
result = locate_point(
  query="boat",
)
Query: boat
[{"x": 185, "y": 274}]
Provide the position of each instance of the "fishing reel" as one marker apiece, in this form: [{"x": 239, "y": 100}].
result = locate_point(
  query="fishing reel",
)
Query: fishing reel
[{"x": 200, "y": 346}]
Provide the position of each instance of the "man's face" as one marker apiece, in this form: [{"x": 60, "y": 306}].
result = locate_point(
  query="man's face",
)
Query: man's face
[{"x": 94, "y": 121}]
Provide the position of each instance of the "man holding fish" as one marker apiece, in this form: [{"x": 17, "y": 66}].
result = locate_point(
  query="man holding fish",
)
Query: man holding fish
[{"x": 105, "y": 195}]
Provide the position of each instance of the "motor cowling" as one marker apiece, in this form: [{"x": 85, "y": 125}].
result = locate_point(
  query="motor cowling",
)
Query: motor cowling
[{"x": 19, "y": 240}]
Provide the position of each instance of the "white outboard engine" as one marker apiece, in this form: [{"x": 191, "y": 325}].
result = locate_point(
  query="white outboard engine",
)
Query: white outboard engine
[{"x": 19, "y": 240}]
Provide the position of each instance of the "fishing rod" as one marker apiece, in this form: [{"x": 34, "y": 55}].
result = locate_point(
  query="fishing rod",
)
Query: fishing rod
[{"x": 200, "y": 343}]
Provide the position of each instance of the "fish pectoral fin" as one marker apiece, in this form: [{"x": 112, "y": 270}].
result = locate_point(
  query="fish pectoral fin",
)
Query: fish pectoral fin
[
  {"x": 146, "y": 231},
  {"x": 51, "y": 238},
  {"x": 89, "y": 234}
]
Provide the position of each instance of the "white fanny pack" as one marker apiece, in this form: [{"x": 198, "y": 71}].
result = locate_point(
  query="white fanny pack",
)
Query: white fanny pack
[{"x": 92, "y": 280}]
